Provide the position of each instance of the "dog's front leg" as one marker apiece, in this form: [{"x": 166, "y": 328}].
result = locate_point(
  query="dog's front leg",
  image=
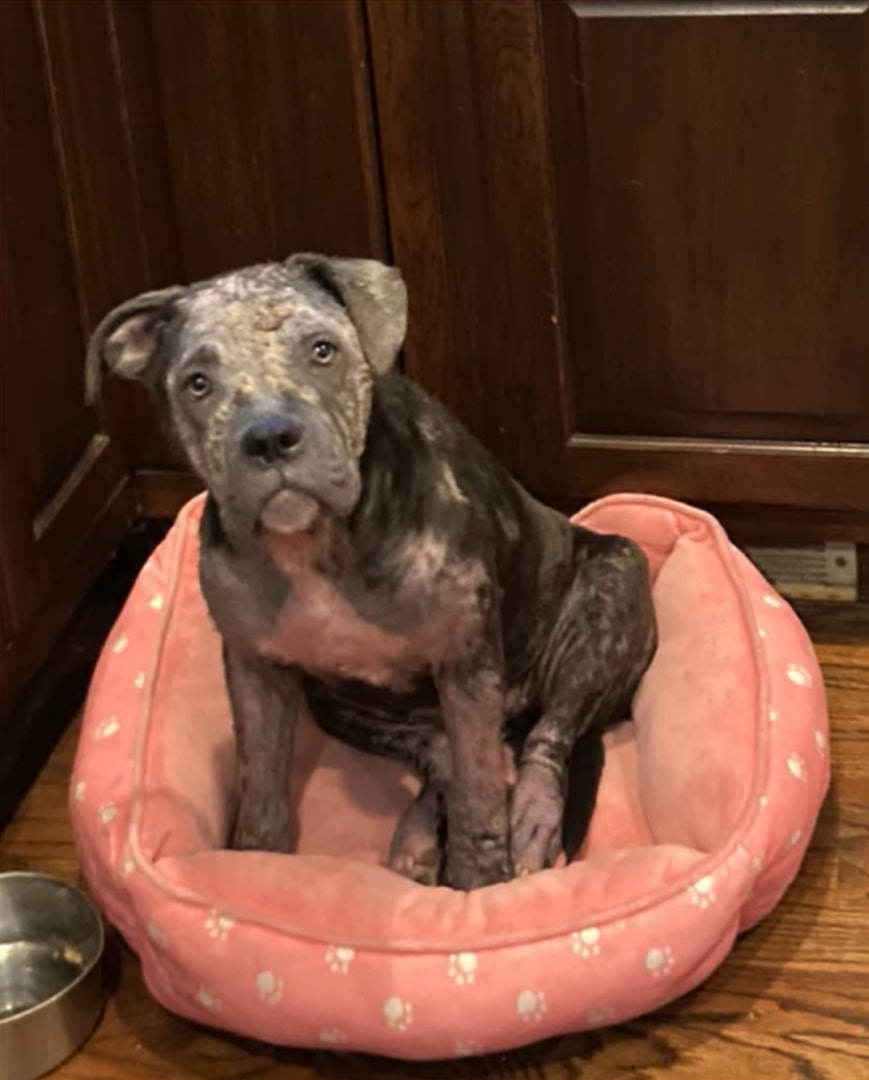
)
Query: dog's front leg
[
  {"x": 471, "y": 691},
  {"x": 265, "y": 706}
]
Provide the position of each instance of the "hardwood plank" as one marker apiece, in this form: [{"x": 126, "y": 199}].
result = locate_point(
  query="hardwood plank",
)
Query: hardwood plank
[{"x": 790, "y": 1001}]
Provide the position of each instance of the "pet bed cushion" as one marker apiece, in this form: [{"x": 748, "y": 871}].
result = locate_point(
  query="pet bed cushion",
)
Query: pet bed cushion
[{"x": 705, "y": 808}]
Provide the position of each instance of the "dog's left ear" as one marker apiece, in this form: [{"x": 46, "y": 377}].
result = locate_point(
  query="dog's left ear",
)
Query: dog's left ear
[{"x": 374, "y": 295}]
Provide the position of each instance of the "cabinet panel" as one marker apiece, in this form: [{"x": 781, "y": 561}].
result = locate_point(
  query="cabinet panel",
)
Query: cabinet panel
[{"x": 713, "y": 223}]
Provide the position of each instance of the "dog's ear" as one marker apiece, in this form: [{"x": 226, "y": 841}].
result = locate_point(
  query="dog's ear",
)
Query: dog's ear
[
  {"x": 126, "y": 339},
  {"x": 374, "y": 295}
]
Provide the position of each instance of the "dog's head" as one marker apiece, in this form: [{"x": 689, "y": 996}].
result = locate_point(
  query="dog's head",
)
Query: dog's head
[{"x": 267, "y": 374}]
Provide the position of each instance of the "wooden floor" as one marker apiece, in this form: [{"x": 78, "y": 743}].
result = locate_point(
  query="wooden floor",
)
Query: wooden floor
[{"x": 791, "y": 1001}]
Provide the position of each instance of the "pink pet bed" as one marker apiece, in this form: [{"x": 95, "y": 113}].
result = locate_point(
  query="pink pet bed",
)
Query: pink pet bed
[{"x": 706, "y": 806}]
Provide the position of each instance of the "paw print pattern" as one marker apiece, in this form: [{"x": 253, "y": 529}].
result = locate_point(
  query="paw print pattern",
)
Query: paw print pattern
[
  {"x": 270, "y": 987},
  {"x": 339, "y": 958},
  {"x": 156, "y": 935},
  {"x": 156, "y": 602},
  {"x": 107, "y": 813},
  {"x": 797, "y": 768},
  {"x": 139, "y": 680},
  {"x": 78, "y": 790},
  {"x": 332, "y": 1037},
  {"x": 821, "y": 742},
  {"x": 531, "y": 1006},
  {"x": 208, "y": 998},
  {"x": 217, "y": 926},
  {"x": 702, "y": 892},
  {"x": 799, "y": 675},
  {"x": 120, "y": 643},
  {"x": 659, "y": 961},
  {"x": 599, "y": 1016},
  {"x": 107, "y": 729},
  {"x": 772, "y": 716},
  {"x": 397, "y": 1013},
  {"x": 467, "y": 1049},
  {"x": 586, "y": 943},
  {"x": 794, "y": 839},
  {"x": 772, "y": 600},
  {"x": 463, "y": 968}
]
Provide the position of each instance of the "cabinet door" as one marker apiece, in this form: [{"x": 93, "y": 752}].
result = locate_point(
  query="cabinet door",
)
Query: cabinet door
[
  {"x": 62, "y": 482},
  {"x": 249, "y": 131},
  {"x": 638, "y": 249}
]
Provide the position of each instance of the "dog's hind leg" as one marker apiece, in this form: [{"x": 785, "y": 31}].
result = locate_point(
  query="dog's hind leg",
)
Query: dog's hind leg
[{"x": 601, "y": 643}]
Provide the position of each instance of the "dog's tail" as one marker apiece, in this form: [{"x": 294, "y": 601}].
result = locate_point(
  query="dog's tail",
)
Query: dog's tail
[{"x": 584, "y": 770}]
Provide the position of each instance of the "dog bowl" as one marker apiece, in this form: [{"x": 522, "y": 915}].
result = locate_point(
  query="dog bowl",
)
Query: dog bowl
[{"x": 51, "y": 994}]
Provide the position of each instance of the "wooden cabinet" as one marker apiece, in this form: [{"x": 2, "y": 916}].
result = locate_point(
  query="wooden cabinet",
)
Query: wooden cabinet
[
  {"x": 638, "y": 248},
  {"x": 146, "y": 143},
  {"x": 63, "y": 484}
]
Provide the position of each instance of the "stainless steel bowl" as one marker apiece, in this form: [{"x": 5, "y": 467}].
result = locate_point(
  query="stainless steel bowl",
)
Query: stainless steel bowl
[{"x": 51, "y": 992}]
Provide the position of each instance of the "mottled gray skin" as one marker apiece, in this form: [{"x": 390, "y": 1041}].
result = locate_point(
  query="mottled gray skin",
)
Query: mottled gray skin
[{"x": 362, "y": 553}]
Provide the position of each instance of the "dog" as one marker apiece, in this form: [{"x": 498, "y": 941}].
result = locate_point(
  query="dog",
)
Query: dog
[{"x": 364, "y": 556}]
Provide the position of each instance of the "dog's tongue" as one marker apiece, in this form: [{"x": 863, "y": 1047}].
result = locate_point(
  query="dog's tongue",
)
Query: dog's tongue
[{"x": 289, "y": 512}]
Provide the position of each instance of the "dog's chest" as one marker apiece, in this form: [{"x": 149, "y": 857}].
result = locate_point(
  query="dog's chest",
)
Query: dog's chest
[{"x": 320, "y": 631}]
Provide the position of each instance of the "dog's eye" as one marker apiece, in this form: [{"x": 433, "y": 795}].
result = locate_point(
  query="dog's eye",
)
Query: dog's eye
[
  {"x": 323, "y": 352},
  {"x": 198, "y": 384}
]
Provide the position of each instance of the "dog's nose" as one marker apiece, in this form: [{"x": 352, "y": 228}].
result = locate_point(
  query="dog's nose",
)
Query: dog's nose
[{"x": 272, "y": 437}]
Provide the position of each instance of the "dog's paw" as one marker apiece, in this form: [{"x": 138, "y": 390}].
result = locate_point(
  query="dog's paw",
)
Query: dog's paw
[
  {"x": 416, "y": 851},
  {"x": 421, "y": 867},
  {"x": 475, "y": 865},
  {"x": 536, "y": 814}
]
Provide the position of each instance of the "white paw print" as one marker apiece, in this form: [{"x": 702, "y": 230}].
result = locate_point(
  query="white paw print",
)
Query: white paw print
[
  {"x": 467, "y": 1049},
  {"x": 772, "y": 716},
  {"x": 107, "y": 729},
  {"x": 156, "y": 602},
  {"x": 659, "y": 962},
  {"x": 799, "y": 675},
  {"x": 531, "y": 1006},
  {"x": 139, "y": 680},
  {"x": 218, "y": 926},
  {"x": 763, "y": 802},
  {"x": 208, "y": 998},
  {"x": 332, "y": 1037},
  {"x": 757, "y": 863},
  {"x": 586, "y": 943},
  {"x": 463, "y": 968},
  {"x": 156, "y": 935},
  {"x": 397, "y": 1013},
  {"x": 270, "y": 987},
  {"x": 794, "y": 838},
  {"x": 78, "y": 790},
  {"x": 702, "y": 892},
  {"x": 127, "y": 865},
  {"x": 120, "y": 643},
  {"x": 107, "y": 813},
  {"x": 772, "y": 600},
  {"x": 599, "y": 1016},
  {"x": 761, "y": 633},
  {"x": 797, "y": 768},
  {"x": 339, "y": 958},
  {"x": 821, "y": 742}
]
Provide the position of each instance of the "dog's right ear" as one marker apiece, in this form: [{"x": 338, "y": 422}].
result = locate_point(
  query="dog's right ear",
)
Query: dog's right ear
[{"x": 126, "y": 339}]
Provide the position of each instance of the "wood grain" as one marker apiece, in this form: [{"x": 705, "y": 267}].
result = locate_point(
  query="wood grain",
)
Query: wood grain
[{"x": 791, "y": 1002}]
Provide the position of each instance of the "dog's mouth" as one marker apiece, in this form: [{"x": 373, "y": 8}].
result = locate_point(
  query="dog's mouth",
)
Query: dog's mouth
[{"x": 289, "y": 511}]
